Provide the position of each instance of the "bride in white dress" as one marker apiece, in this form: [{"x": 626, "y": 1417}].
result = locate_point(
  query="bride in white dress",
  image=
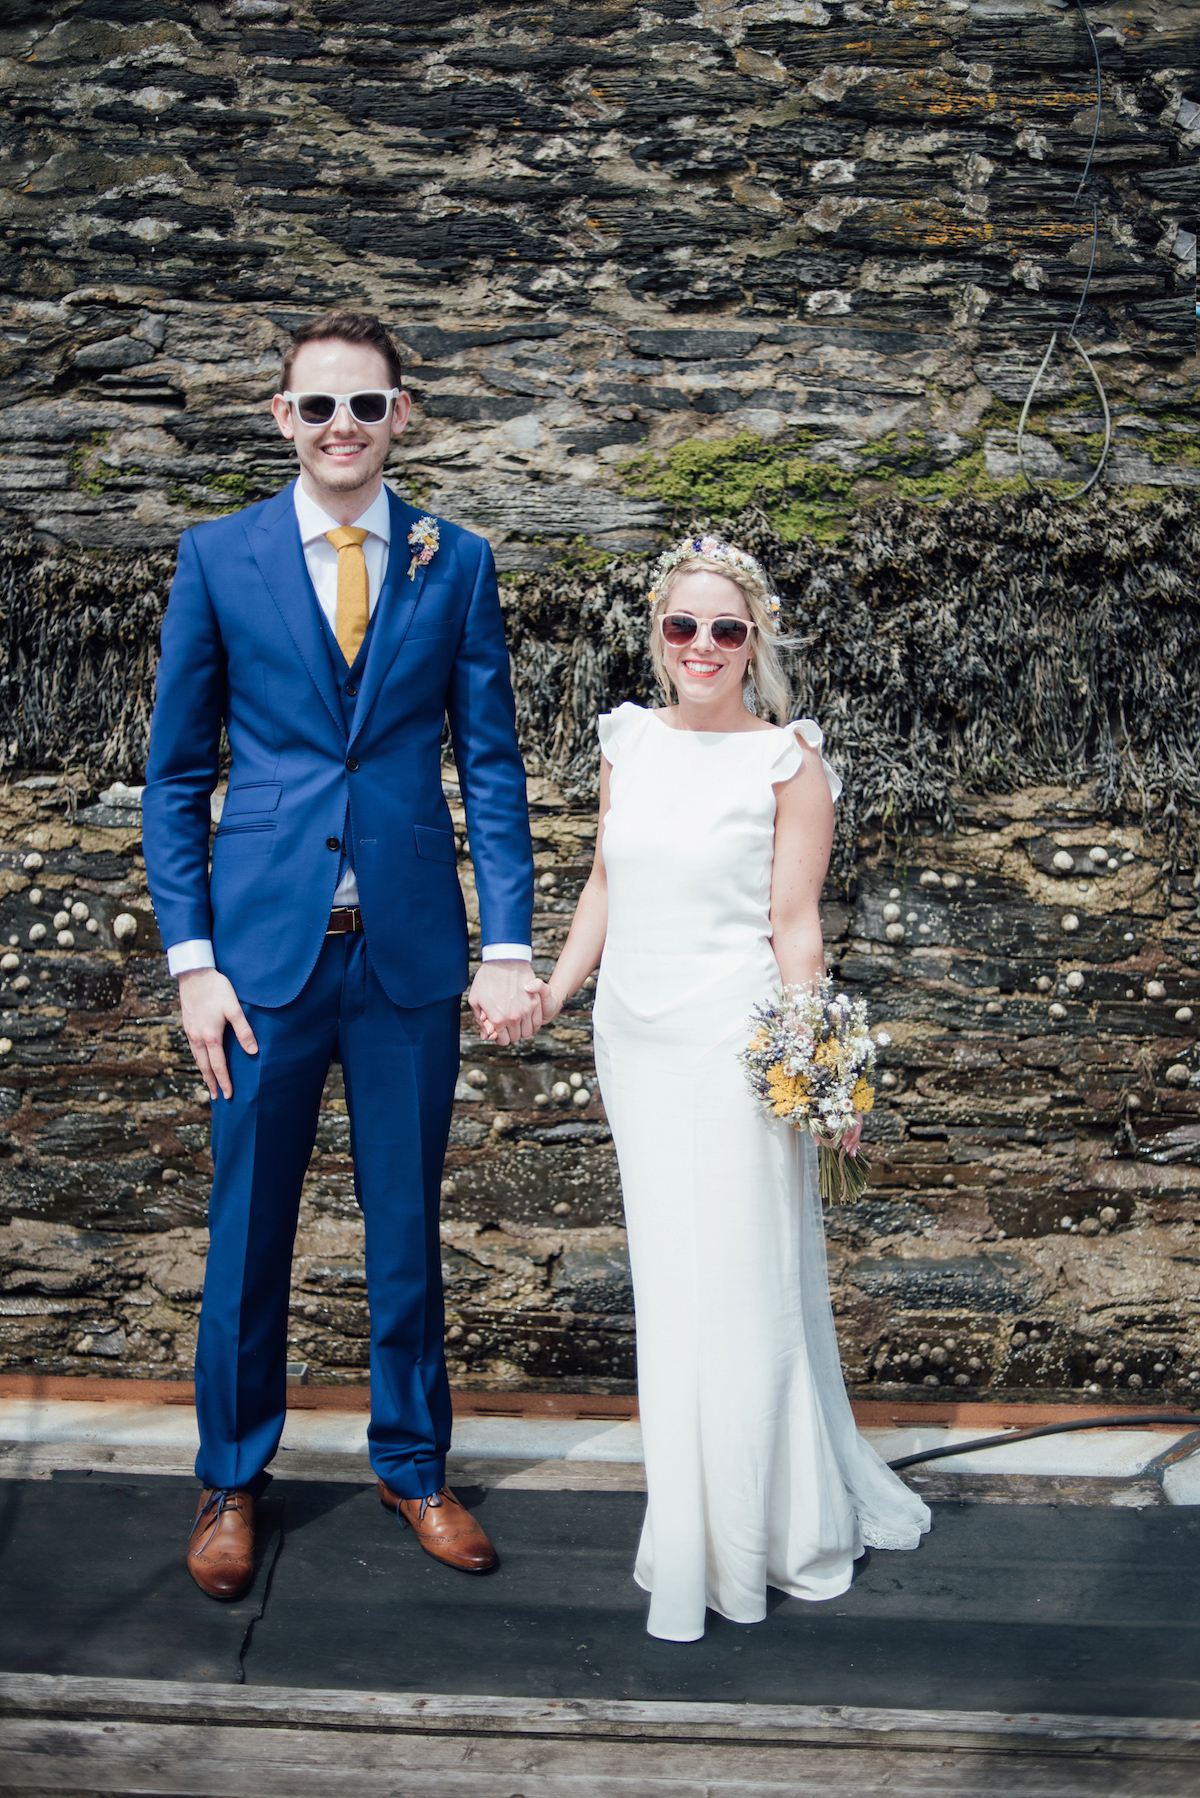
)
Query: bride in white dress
[{"x": 714, "y": 838}]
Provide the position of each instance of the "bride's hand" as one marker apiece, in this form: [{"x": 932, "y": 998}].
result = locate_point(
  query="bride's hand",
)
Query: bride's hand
[{"x": 551, "y": 1003}]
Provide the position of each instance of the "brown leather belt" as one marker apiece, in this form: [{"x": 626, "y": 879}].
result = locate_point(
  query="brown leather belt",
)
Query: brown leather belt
[{"x": 344, "y": 921}]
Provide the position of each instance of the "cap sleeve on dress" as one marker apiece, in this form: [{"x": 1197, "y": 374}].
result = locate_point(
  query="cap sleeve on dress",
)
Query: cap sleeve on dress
[
  {"x": 787, "y": 757},
  {"x": 615, "y": 729}
]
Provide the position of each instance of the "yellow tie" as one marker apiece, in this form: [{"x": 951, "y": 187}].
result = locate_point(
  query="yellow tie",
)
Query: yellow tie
[{"x": 352, "y": 609}]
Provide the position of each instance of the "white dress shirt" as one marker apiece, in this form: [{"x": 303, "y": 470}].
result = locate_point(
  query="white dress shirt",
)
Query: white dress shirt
[{"x": 322, "y": 561}]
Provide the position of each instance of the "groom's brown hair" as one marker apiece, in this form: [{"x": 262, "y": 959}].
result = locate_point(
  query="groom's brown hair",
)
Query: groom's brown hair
[{"x": 347, "y": 327}]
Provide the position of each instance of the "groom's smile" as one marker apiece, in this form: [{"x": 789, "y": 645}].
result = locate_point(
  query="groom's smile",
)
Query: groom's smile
[{"x": 344, "y": 451}]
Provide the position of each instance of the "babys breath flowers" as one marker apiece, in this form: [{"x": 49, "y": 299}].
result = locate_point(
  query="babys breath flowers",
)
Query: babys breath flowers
[
  {"x": 424, "y": 539},
  {"x": 719, "y": 551},
  {"x": 809, "y": 1062}
]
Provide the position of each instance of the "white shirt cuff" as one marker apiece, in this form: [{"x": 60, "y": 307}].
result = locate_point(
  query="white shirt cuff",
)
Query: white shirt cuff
[{"x": 184, "y": 958}]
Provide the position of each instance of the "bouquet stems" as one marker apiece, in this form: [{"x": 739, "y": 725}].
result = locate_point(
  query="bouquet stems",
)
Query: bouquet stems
[{"x": 843, "y": 1178}]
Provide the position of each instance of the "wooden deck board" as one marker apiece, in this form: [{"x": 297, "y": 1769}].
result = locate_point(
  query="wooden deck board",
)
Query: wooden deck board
[
  {"x": 41, "y": 1460},
  {"x": 68, "y": 1736}
]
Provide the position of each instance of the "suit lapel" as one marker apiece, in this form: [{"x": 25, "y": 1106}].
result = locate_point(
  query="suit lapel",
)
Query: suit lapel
[
  {"x": 275, "y": 545},
  {"x": 393, "y": 613}
]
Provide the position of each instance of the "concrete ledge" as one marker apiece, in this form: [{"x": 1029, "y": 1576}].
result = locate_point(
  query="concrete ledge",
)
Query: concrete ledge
[{"x": 142, "y": 1736}]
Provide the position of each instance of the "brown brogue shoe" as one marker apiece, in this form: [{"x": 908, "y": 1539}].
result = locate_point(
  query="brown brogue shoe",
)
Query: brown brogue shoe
[
  {"x": 444, "y": 1528},
  {"x": 220, "y": 1556}
]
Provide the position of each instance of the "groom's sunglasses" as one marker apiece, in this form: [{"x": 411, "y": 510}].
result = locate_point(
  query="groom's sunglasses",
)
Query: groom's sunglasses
[
  {"x": 680, "y": 628},
  {"x": 370, "y": 407}
]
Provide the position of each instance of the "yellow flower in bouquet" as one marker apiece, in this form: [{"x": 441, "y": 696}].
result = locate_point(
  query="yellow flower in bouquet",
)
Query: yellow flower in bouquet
[{"x": 789, "y": 1092}]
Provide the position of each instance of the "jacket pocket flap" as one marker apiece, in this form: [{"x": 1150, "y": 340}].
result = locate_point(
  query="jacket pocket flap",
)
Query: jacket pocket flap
[
  {"x": 432, "y": 627},
  {"x": 434, "y": 845},
  {"x": 261, "y": 798}
]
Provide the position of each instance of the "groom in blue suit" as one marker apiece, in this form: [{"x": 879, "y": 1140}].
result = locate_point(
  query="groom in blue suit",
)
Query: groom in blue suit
[{"x": 332, "y": 631}]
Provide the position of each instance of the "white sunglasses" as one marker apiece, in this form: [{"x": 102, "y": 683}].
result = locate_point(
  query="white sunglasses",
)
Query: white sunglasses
[{"x": 369, "y": 407}]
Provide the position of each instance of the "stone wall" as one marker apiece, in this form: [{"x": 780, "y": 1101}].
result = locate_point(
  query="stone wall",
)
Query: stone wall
[
  {"x": 847, "y": 229},
  {"x": 1033, "y": 1218},
  {"x": 776, "y": 263}
]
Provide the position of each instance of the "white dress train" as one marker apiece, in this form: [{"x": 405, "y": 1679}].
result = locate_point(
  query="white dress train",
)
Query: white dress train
[{"x": 756, "y": 1474}]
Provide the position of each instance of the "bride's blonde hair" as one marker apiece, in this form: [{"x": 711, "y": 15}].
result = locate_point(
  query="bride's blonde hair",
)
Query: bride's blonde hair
[{"x": 765, "y": 685}]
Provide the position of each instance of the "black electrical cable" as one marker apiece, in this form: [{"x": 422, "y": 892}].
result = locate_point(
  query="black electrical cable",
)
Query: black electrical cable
[
  {"x": 1129, "y": 1420},
  {"x": 1087, "y": 167}
]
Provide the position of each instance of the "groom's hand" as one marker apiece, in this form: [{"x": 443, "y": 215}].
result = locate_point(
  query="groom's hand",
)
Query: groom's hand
[
  {"x": 208, "y": 1003},
  {"x": 504, "y": 998}
]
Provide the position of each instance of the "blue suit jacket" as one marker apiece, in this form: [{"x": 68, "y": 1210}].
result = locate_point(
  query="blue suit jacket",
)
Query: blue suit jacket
[{"x": 243, "y": 646}]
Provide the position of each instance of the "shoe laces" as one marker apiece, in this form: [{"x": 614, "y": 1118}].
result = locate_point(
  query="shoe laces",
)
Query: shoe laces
[{"x": 219, "y": 1500}]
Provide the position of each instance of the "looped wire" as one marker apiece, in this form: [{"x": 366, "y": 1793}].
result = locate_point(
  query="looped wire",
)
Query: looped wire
[
  {"x": 1071, "y": 338},
  {"x": 1077, "y": 492}
]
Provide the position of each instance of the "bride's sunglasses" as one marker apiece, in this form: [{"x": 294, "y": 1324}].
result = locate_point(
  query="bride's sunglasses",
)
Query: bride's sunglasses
[
  {"x": 680, "y": 628},
  {"x": 370, "y": 407}
]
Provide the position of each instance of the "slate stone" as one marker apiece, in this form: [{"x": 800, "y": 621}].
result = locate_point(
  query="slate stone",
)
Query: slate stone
[
  {"x": 589, "y": 1280},
  {"x": 986, "y": 1283}
]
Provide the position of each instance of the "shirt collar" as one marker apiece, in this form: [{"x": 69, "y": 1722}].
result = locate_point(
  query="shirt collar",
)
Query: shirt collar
[{"x": 314, "y": 521}]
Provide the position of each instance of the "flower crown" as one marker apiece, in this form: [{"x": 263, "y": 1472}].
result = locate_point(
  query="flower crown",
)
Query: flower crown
[{"x": 718, "y": 551}]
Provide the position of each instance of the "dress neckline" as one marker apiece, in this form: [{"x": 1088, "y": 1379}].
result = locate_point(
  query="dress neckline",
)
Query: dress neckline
[{"x": 658, "y": 719}]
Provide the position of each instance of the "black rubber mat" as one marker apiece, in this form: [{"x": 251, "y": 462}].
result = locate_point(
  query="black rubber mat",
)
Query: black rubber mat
[
  {"x": 92, "y": 1581},
  {"x": 1029, "y": 1608},
  {"x": 1094, "y": 1610}
]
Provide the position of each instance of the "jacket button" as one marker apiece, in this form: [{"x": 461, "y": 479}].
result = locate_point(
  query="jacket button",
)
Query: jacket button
[
  {"x": 332, "y": 843},
  {"x": 351, "y": 688},
  {"x": 352, "y": 763}
]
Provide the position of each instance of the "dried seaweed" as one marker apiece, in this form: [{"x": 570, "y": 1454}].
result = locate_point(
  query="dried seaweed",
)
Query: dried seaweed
[
  {"x": 978, "y": 646},
  {"x": 80, "y": 641}
]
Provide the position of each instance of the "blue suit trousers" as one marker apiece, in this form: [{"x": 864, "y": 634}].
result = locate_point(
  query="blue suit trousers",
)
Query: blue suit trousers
[{"x": 399, "y": 1066}]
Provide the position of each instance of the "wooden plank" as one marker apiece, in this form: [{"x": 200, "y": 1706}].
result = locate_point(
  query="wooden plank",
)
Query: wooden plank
[
  {"x": 547, "y": 1476},
  {"x": 939, "y": 1484},
  {"x": 47, "y": 1697},
  {"x": 42, "y": 1460},
  {"x": 39, "y": 1461},
  {"x": 219, "y": 1761}
]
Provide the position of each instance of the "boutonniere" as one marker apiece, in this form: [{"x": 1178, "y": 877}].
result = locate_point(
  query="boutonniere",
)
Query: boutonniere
[{"x": 424, "y": 539}]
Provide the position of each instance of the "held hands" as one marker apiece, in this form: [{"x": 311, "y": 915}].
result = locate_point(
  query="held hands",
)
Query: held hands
[
  {"x": 208, "y": 1003},
  {"x": 506, "y": 997}
]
